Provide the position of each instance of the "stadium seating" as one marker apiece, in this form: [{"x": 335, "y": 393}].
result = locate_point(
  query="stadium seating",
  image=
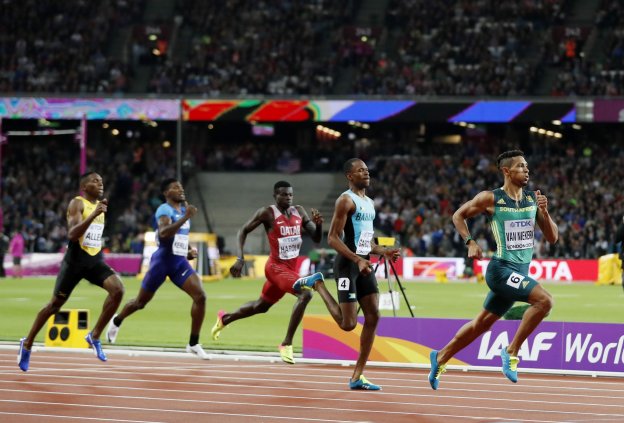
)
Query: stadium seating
[{"x": 450, "y": 48}]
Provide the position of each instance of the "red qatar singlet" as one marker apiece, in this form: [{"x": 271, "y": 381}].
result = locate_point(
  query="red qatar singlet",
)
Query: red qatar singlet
[{"x": 285, "y": 238}]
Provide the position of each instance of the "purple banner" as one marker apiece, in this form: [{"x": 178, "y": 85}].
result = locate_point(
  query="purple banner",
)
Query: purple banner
[
  {"x": 553, "y": 345},
  {"x": 608, "y": 110}
]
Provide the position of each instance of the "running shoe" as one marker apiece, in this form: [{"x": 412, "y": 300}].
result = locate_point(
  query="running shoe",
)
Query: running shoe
[
  {"x": 436, "y": 370},
  {"x": 307, "y": 282},
  {"x": 363, "y": 384},
  {"x": 96, "y": 345},
  {"x": 510, "y": 365},
  {"x": 286, "y": 352},
  {"x": 218, "y": 326},
  {"x": 23, "y": 356},
  {"x": 113, "y": 330},
  {"x": 198, "y": 351}
]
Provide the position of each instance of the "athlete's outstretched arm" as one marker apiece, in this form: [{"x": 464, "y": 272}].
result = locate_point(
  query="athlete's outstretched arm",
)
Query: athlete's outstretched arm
[
  {"x": 544, "y": 221},
  {"x": 482, "y": 202},
  {"x": 262, "y": 216}
]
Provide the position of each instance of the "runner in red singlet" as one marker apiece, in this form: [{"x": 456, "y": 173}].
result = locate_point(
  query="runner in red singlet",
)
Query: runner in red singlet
[{"x": 283, "y": 224}]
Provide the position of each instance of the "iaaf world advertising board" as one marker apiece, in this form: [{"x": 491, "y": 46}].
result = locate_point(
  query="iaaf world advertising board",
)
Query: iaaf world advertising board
[{"x": 587, "y": 347}]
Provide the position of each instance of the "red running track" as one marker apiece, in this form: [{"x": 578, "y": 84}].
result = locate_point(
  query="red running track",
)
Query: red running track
[{"x": 66, "y": 387}]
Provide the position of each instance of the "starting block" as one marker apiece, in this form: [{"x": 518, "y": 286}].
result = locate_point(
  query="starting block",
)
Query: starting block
[{"x": 68, "y": 329}]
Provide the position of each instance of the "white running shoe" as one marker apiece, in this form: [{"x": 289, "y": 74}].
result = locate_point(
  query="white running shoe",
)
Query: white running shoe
[
  {"x": 198, "y": 351},
  {"x": 113, "y": 330}
]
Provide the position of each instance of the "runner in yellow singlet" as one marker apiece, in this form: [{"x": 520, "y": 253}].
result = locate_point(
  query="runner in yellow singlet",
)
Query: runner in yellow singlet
[{"x": 83, "y": 260}]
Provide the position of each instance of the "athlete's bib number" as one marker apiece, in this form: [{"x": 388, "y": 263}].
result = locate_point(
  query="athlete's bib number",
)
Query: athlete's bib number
[
  {"x": 93, "y": 236},
  {"x": 343, "y": 284},
  {"x": 514, "y": 280},
  {"x": 364, "y": 243},
  {"x": 519, "y": 234},
  {"x": 289, "y": 247},
  {"x": 180, "y": 244}
]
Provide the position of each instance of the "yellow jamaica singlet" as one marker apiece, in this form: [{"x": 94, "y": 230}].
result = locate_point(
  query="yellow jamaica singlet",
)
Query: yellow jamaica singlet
[{"x": 91, "y": 240}]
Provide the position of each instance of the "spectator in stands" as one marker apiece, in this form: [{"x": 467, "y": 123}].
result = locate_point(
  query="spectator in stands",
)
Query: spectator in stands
[{"x": 16, "y": 249}]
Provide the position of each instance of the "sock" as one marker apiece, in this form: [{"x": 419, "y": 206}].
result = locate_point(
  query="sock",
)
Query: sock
[
  {"x": 193, "y": 340},
  {"x": 117, "y": 321}
]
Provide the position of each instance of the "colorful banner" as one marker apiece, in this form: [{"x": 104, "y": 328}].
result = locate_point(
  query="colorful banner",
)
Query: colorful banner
[
  {"x": 280, "y": 110},
  {"x": 592, "y": 347},
  {"x": 376, "y": 111},
  {"x": 92, "y": 108},
  {"x": 557, "y": 270}
]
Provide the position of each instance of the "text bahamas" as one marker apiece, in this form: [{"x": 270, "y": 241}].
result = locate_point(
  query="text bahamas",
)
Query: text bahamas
[{"x": 364, "y": 216}]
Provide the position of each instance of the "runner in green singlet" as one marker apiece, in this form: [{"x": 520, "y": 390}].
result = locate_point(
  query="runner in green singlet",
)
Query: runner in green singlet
[{"x": 513, "y": 213}]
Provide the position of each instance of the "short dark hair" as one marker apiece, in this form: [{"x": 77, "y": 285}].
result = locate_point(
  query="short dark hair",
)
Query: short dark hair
[
  {"x": 348, "y": 166},
  {"x": 503, "y": 159},
  {"x": 83, "y": 178},
  {"x": 164, "y": 185},
  {"x": 280, "y": 184}
]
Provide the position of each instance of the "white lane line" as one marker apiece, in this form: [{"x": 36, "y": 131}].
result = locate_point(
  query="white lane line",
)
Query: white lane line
[
  {"x": 324, "y": 408},
  {"x": 226, "y": 383},
  {"x": 290, "y": 396},
  {"x": 269, "y": 360},
  {"x": 271, "y": 377},
  {"x": 270, "y": 416},
  {"x": 306, "y": 368},
  {"x": 163, "y": 410},
  {"x": 75, "y": 417}
]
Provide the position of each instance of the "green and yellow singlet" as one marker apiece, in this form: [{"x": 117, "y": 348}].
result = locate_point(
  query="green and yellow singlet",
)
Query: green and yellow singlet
[{"x": 513, "y": 226}]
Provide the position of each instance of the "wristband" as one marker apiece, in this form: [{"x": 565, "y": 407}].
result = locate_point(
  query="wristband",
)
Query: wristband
[
  {"x": 240, "y": 259},
  {"x": 468, "y": 239}
]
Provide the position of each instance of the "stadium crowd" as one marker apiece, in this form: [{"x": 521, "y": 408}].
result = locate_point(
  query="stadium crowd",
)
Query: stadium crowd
[
  {"x": 248, "y": 47},
  {"x": 52, "y": 47},
  {"x": 307, "y": 47},
  {"x": 459, "y": 48},
  {"x": 39, "y": 178},
  {"x": 592, "y": 74}
]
